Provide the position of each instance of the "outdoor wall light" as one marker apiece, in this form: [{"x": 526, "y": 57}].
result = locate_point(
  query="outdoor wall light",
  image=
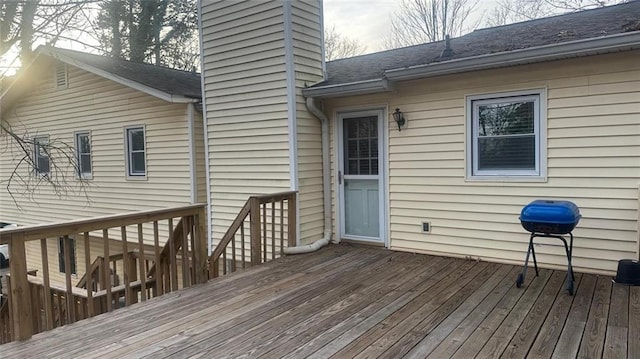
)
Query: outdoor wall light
[{"x": 398, "y": 116}]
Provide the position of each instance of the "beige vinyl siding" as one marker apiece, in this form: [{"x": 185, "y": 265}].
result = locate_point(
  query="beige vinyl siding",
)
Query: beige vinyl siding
[
  {"x": 307, "y": 47},
  {"x": 201, "y": 164},
  {"x": 593, "y": 159},
  {"x": 246, "y": 95},
  {"x": 104, "y": 108}
]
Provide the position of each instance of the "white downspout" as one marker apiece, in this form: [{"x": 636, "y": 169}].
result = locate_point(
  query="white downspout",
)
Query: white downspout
[{"x": 326, "y": 182}]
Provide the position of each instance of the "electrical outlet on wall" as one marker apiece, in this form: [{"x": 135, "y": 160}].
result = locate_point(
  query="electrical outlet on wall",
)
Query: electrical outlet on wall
[{"x": 426, "y": 227}]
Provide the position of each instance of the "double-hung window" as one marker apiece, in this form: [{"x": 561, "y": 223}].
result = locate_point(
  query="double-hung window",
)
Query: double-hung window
[
  {"x": 41, "y": 157},
  {"x": 83, "y": 155},
  {"x": 136, "y": 152},
  {"x": 505, "y": 135}
]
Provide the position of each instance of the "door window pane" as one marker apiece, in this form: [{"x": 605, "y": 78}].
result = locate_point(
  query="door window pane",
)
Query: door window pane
[{"x": 361, "y": 145}]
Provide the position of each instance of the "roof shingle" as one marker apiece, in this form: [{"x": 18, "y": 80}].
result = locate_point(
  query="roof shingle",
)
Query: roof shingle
[
  {"x": 586, "y": 24},
  {"x": 170, "y": 81}
]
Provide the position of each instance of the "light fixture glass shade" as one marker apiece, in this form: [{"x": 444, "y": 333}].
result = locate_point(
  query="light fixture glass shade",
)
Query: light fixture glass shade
[{"x": 399, "y": 118}]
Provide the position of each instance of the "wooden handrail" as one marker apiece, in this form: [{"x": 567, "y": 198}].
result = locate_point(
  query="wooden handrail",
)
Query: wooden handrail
[
  {"x": 231, "y": 232},
  {"x": 94, "y": 224},
  {"x": 255, "y": 208},
  {"x": 177, "y": 243},
  {"x": 95, "y": 265},
  {"x": 31, "y": 301}
]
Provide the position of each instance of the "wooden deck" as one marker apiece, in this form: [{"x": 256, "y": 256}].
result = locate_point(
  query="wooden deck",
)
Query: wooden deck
[{"x": 347, "y": 302}]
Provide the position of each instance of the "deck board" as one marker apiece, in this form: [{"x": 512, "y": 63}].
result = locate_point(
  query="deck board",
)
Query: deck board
[
  {"x": 551, "y": 329},
  {"x": 592, "y": 344},
  {"x": 426, "y": 344},
  {"x": 633, "y": 344},
  {"x": 353, "y": 301},
  {"x": 449, "y": 345}
]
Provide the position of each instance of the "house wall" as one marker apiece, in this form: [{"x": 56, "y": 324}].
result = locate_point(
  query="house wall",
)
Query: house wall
[
  {"x": 248, "y": 93},
  {"x": 308, "y": 69},
  {"x": 103, "y": 107},
  {"x": 593, "y": 159},
  {"x": 201, "y": 164}
]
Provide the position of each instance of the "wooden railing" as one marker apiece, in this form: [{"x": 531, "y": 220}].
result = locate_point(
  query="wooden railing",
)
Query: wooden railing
[
  {"x": 38, "y": 304},
  {"x": 271, "y": 228},
  {"x": 5, "y": 334},
  {"x": 98, "y": 271}
]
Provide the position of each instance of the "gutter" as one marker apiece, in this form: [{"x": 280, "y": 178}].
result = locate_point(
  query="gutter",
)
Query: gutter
[
  {"x": 570, "y": 49},
  {"x": 593, "y": 46},
  {"x": 326, "y": 184},
  {"x": 351, "y": 88}
]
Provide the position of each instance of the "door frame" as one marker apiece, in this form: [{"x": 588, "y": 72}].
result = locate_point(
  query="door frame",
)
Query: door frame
[{"x": 381, "y": 113}]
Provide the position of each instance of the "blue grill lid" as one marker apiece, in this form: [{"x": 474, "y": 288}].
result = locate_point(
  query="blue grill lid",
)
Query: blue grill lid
[{"x": 548, "y": 211}]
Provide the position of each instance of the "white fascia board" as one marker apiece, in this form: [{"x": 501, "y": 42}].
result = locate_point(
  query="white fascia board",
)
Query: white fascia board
[
  {"x": 121, "y": 80},
  {"x": 352, "y": 88},
  {"x": 593, "y": 46}
]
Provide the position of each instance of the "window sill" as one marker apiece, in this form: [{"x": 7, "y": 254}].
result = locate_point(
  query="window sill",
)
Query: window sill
[{"x": 136, "y": 178}]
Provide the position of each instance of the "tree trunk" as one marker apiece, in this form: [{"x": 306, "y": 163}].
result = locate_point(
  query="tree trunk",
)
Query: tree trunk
[{"x": 26, "y": 40}]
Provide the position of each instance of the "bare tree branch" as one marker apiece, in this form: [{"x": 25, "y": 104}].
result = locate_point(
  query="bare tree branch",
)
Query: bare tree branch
[
  {"x": 421, "y": 21},
  {"x": 20, "y": 148},
  {"x": 24, "y": 23},
  {"x": 510, "y": 11},
  {"x": 337, "y": 46}
]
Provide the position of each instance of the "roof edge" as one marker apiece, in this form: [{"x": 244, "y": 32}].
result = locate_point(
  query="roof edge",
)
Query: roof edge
[
  {"x": 564, "y": 50},
  {"x": 119, "y": 79},
  {"x": 352, "y": 88},
  {"x": 584, "y": 47}
]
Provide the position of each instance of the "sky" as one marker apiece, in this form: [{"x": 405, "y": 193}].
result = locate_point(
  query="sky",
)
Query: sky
[
  {"x": 364, "y": 20},
  {"x": 368, "y": 20}
]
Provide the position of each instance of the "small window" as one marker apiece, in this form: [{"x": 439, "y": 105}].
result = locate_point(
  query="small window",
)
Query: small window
[
  {"x": 60, "y": 75},
  {"x": 504, "y": 135},
  {"x": 72, "y": 254},
  {"x": 41, "y": 158},
  {"x": 136, "y": 152},
  {"x": 83, "y": 154}
]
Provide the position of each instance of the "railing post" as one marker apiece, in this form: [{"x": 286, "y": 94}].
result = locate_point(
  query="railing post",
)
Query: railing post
[
  {"x": 255, "y": 230},
  {"x": 20, "y": 291},
  {"x": 201, "y": 251},
  {"x": 292, "y": 228}
]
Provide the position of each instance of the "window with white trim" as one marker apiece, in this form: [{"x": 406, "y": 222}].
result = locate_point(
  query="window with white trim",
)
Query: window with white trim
[
  {"x": 41, "y": 157},
  {"x": 83, "y": 154},
  {"x": 505, "y": 137},
  {"x": 136, "y": 152}
]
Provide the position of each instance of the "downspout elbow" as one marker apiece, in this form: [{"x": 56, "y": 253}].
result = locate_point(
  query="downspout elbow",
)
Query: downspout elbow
[{"x": 326, "y": 181}]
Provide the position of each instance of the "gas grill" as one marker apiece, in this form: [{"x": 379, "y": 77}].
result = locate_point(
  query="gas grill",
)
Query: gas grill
[{"x": 549, "y": 219}]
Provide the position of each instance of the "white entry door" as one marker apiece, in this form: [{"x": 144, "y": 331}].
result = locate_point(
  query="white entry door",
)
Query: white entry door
[{"x": 360, "y": 176}]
